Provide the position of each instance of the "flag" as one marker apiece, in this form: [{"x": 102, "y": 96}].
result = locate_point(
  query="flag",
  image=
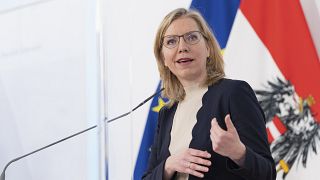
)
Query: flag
[
  {"x": 268, "y": 44},
  {"x": 271, "y": 48},
  {"x": 147, "y": 139}
]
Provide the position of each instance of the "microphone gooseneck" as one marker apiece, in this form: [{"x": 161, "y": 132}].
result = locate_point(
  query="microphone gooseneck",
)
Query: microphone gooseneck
[
  {"x": 45, "y": 147},
  {"x": 142, "y": 103},
  {"x": 2, "y": 177}
]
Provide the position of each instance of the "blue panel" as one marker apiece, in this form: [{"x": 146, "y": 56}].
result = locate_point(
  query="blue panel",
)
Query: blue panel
[{"x": 220, "y": 15}]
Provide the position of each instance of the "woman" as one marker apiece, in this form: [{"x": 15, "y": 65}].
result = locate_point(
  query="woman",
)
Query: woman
[{"x": 213, "y": 128}]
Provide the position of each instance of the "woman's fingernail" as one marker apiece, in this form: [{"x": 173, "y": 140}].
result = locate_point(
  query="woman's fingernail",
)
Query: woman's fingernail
[{"x": 213, "y": 120}]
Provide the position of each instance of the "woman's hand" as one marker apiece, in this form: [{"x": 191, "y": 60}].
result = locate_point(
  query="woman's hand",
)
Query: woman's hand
[
  {"x": 227, "y": 143},
  {"x": 190, "y": 161}
]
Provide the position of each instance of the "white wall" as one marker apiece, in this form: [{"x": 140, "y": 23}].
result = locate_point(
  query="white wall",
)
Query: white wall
[{"x": 48, "y": 88}]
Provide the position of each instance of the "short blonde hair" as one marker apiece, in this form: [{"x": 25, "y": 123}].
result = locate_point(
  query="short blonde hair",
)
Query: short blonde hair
[{"x": 173, "y": 88}]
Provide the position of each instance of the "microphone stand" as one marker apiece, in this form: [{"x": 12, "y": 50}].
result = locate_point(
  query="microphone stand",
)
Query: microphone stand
[{"x": 2, "y": 177}]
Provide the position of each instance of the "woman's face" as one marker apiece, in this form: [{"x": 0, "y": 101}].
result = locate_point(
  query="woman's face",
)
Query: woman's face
[{"x": 186, "y": 60}]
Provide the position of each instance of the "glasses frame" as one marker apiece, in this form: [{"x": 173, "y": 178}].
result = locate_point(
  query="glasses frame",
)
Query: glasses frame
[{"x": 184, "y": 38}]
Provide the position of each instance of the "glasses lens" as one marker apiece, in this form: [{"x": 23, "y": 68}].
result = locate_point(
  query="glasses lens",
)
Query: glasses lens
[
  {"x": 170, "y": 41},
  {"x": 192, "y": 37}
]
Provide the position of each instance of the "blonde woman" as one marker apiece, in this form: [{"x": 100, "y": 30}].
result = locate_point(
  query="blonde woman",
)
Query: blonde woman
[{"x": 212, "y": 128}]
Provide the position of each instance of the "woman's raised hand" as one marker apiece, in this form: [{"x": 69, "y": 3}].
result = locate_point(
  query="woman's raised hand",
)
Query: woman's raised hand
[{"x": 227, "y": 142}]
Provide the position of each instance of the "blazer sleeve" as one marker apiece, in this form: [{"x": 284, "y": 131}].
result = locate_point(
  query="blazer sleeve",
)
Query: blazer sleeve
[
  {"x": 249, "y": 120},
  {"x": 156, "y": 165}
]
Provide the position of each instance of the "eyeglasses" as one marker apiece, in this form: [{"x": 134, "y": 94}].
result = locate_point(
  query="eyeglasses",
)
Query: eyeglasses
[{"x": 192, "y": 37}]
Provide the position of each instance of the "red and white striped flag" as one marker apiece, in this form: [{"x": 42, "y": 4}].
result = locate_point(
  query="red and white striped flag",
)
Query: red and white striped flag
[{"x": 270, "y": 47}]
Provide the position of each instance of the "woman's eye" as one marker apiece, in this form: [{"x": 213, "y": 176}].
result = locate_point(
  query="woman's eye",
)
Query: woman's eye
[
  {"x": 171, "y": 41},
  {"x": 192, "y": 37}
]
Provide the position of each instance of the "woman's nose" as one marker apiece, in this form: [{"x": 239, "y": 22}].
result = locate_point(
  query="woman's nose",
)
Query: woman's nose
[
  {"x": 183, "y": 50},
  {"x": 183, "y": 46}
]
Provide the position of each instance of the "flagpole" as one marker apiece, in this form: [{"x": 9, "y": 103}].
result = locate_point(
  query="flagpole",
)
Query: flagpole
[{"x": 102, "y": 124}]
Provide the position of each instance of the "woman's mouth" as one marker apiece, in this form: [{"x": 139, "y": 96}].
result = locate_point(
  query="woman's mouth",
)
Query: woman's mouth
[{"x": 184, "y": 60}]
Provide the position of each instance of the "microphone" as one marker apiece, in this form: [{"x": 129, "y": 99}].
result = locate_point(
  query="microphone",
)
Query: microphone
[{"x": 2, "y": 177}]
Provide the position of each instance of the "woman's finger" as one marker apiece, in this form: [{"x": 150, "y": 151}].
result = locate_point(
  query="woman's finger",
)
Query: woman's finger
[
  {"x": 199, "y": 160},
  {"x": 198, "y": 167},
  {"x": 199, "y": 153},
  {"x": 215, "y": 126},
  {"x": 195, "y": 173},
  {"x": 229, "y": 124}
]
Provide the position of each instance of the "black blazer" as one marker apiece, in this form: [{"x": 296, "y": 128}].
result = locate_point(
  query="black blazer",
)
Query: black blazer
[{"x": 225, "y": 97}]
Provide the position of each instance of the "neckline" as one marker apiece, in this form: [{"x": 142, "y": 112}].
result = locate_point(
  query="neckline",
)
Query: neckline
[{"x": 190, "y": 90}]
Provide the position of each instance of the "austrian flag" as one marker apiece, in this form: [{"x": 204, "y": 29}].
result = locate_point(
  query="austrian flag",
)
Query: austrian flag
[{"x": 270, "y": 47}]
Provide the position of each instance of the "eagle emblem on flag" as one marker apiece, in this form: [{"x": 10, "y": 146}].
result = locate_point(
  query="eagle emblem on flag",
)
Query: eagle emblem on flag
[{"x": 293, "y": 131}]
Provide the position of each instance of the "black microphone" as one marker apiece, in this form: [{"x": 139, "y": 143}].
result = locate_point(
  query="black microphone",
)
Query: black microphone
[{"x": 75, "y": 134}]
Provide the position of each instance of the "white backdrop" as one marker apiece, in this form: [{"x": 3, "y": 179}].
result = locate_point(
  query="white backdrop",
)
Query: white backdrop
[{"x": 48, "y": 88}]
